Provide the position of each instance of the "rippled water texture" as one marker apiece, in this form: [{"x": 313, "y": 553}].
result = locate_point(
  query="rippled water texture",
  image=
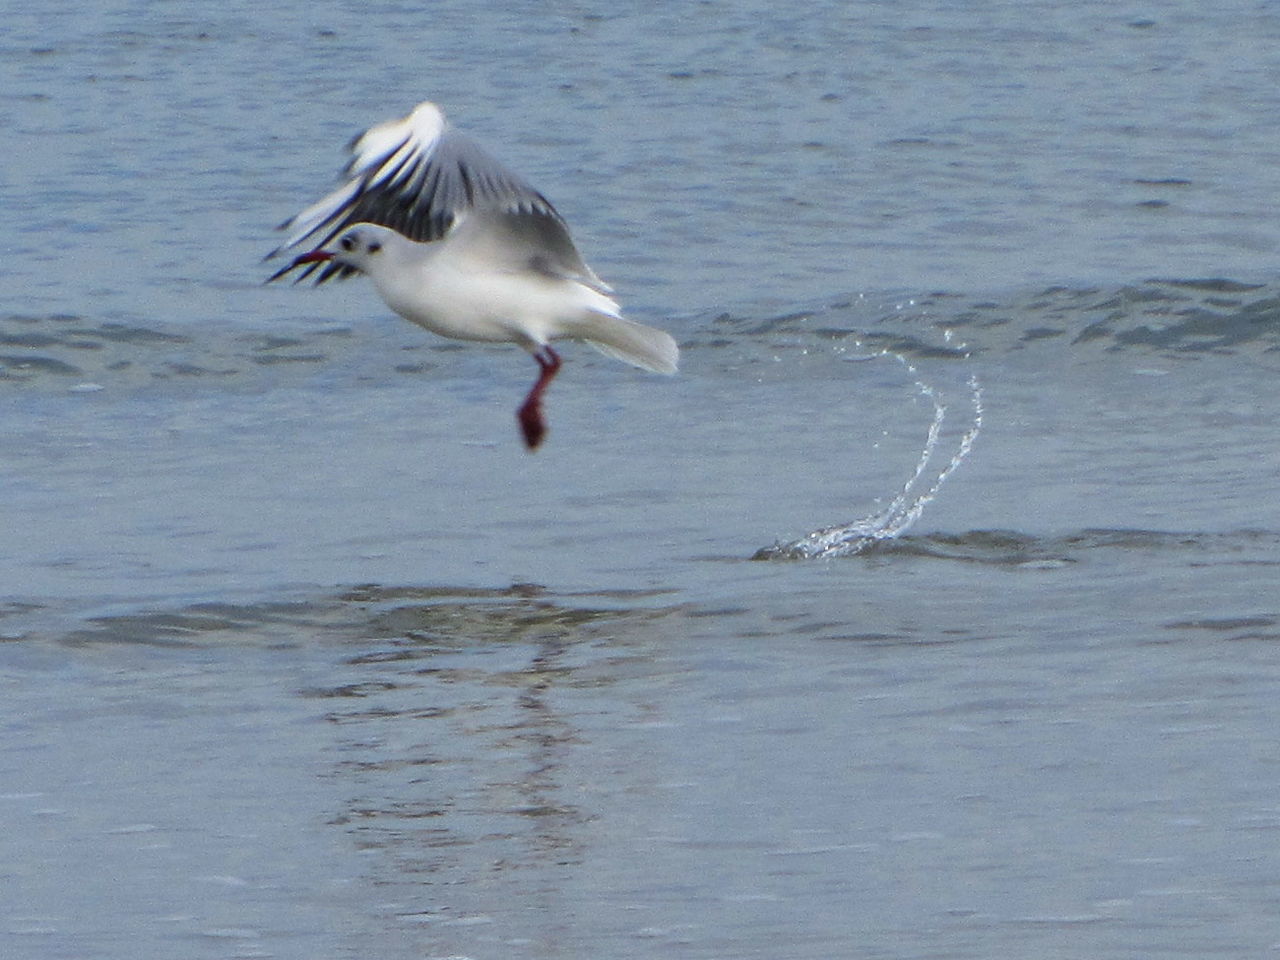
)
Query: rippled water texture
[{"x": 302, "y": 656}]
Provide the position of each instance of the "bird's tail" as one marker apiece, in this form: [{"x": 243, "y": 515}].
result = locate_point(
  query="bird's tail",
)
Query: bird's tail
[{"x": 632, "y": 342}]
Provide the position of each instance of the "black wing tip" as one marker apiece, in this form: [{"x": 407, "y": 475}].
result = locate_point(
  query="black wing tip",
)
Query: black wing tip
[
  {"x": 327, "y": 271},
  {"x": 305, "y": 269},
  {"x": 280, "y": 273},
  {"x": 284, "y": 271}
]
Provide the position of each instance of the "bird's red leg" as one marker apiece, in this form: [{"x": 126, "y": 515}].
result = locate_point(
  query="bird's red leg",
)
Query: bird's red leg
[{"x": 530, "y": 413}]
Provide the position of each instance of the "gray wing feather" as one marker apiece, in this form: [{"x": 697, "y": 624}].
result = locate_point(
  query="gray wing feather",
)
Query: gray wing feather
[{"x": 419, "y": 178}]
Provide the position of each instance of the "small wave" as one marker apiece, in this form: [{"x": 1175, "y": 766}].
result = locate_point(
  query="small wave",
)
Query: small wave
[
  {"x": 1008, "y": 548},
  {"x": 1171, "y": 317},
  {"x": 369, "y": 611},
  {"x": 59, "y": 351},
  {"x": 1177, "y": 318}
]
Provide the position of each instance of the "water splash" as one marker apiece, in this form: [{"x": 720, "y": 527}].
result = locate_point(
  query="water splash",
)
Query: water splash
[{"x": 895, "y": 519}]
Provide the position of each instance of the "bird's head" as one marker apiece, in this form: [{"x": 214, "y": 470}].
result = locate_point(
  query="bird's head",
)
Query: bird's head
[{"x": 359, "y": 247}]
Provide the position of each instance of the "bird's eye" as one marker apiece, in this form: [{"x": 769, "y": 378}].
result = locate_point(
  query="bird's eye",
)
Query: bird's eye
[
  {"x": 347, "y": 243},
  {"x": 375, "y": 247}
]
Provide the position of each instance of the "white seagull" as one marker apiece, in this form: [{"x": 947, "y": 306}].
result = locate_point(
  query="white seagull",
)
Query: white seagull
[{"x": 455, "y": 242}]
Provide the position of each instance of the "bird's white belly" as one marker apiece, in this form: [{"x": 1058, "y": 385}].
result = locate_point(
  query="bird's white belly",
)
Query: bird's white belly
[{"x": 490, "y": 306}]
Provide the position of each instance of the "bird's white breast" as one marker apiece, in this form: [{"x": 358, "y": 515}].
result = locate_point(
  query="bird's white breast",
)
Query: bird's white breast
[{"x": 457, "y": 295}]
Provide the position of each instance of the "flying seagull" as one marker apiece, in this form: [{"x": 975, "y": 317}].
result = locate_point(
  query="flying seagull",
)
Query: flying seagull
[{"x": 455, "y": 242}]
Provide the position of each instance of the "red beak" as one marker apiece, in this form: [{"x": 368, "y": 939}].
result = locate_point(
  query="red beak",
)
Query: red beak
[{"x": 315, "y": 256}]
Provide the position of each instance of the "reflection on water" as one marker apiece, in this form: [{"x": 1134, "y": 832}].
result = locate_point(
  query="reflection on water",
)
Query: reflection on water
[
  {"x": 458, "y": 721},
  {"x": 456, "y": 716},
  {"x": 532, "y": 773}
]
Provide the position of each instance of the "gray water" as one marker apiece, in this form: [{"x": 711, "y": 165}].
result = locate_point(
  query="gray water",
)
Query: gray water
[{"x": 305, "y": 657}]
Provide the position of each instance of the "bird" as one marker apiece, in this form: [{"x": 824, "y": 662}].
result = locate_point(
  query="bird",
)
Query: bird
[{"x": 455, "y": 242}]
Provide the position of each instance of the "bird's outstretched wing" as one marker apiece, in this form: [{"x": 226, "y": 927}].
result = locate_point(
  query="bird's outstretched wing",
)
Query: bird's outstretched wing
[{"x": 418, "y": 177}]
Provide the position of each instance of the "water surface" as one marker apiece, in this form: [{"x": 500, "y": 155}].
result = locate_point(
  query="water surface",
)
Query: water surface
[{"x": 305, "y": 657}]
